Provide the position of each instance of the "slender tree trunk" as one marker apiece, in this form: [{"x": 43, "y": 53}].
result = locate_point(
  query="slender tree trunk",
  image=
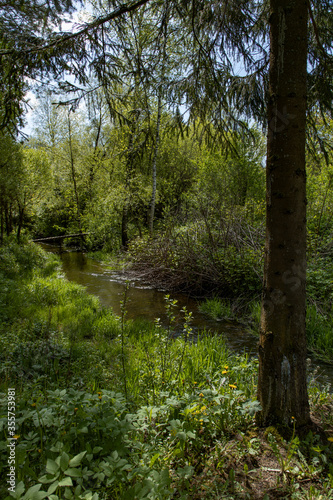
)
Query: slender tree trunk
[
  {"x": 20, "y": 221},
  {"x": 282, "y": 387},
  {"x": 129, "y": 175},
  {"x": 74, "y": 178},
  {"x": 156, "y": 150},
  {"x": 8, "y": 218},
  {"x": 130, "y": 170},
  {"x": 94, "y": 161},
  {"x": 158, "y": 123},
  {"x": 2, "y": 226}
]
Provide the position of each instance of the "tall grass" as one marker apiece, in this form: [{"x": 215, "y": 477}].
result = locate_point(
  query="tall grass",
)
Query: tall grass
[
  {"x": 319, "y": 325},
  {"x": 319, "y": 332},
  {"x": 218, "y": 309}
]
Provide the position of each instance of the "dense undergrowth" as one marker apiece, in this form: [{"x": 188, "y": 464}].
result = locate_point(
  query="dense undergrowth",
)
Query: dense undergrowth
[
  {"x": 113, "y": 409},
  {"x": 219, "y": 258},
  {"x": 220, "y": 255}
]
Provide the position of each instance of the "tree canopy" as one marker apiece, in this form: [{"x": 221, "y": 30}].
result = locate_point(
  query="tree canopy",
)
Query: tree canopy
[{"x": 225, "y": 47}]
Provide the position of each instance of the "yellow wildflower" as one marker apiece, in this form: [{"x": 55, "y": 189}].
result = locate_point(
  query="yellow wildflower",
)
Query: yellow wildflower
[
  {"x": 232, "y": 386},
  {"x": 203, "y": 408},
  {"x": 16, "y": 436},
  {"x": 224, "y": 372},
  {"x": 201, "y": 395}
]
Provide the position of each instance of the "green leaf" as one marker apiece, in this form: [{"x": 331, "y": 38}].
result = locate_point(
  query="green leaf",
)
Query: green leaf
[
  {"x": 33, "y": 493},
  {"x": 100, "y": 476},
  {"x": 68, "y": 494},
  {"x": 66, "y": 482},
  {"x": 18, "y": 490},
  {"x": 64, "y": 461},
  {"x": 73, "y": 472},
  {"x": 77, "y": 490},
  {"x": 32, "y": 490},
  {"x": 181, "y": 435},
  {"x": 48, "y": 478},
  {"x": 153, "y": 460},
  {"x": 97, "y": 449},
  {"x": 57, "y": 448},
  {"x": 51, "y": 466},
  {"x": 53, "y": 487},
  {"x": 75, "y": 461}
]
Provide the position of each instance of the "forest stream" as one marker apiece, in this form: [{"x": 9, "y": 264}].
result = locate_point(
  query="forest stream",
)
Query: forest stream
[{"x": 149, "y": 303}]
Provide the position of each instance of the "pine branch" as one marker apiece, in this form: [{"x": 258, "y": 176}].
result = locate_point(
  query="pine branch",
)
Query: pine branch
[
  {"x": 316, "y": 32},
  {"x": 61, "y": 39}
]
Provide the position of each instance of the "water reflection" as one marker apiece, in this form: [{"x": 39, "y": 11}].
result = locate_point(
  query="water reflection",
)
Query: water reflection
[
  {"x": 149, "y": 303},
  {"x": 146, "y": 302}
]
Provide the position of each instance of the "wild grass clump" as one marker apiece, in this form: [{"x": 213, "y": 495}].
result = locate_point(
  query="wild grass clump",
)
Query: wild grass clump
[{"x": 218, "y": 309}]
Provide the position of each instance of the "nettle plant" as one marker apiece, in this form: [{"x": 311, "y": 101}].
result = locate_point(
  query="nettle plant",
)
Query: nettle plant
[
  {"x": 77, "y": 445},
  {"x": 54, "y": 431}
]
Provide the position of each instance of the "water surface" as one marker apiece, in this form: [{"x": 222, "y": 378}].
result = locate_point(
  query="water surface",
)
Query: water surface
[{"x": 149, "y": 303}]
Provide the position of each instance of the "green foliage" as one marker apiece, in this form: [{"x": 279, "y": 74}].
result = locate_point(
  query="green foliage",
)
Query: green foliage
[
  {"x": 79, "y": 437},
  {"x": 218, "y": 309},
  {"x": 320, "y": 280},
  {"x": 319, "y": 332}
]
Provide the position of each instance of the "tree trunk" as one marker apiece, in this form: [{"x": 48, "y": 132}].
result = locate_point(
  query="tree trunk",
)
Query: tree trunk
[
  {"x": 282, "y": 387},
  {"x": 161, "y": 90},
  {"x": 8, "y": 218},
  {"x": 2, "y": 226},
  {"x": 129, "y": 176},
  {"x": 74, "y": 180},
  {"x": 157, "y": 144},
  {"x": 20, "y": 221},
  {"x": 124, "y": 223}
]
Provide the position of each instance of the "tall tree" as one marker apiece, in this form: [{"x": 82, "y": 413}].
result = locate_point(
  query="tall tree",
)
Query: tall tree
[
  {"x": 160, "y": 92},
  {"x": 282, "y": 387}
]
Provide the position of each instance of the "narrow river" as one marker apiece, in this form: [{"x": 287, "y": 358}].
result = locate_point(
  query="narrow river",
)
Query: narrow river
[{"x": 149, "y": 303}]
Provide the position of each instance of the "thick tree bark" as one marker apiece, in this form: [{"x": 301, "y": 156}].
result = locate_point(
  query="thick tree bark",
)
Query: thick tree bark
[{"x": 282, "y": 387}]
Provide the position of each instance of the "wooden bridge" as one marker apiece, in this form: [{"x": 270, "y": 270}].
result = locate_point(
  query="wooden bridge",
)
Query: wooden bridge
[{"x": 60, "y": 238}]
